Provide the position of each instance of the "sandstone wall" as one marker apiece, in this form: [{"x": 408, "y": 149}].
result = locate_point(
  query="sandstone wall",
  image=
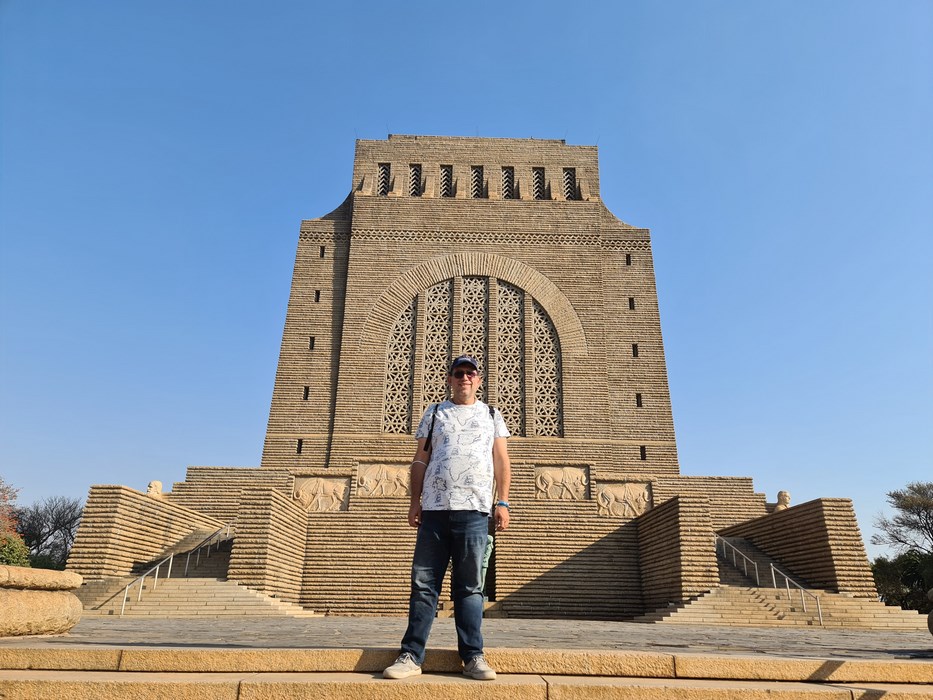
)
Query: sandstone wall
[
  {"x": 677, "y": 551},
  {"x": 269, "y": 548},
  {"x": 216, "y": 491},
  {"x": 121, "y": 528},
  {"x": 819, "y": 541},
  {"x": 732, "y": 499}
]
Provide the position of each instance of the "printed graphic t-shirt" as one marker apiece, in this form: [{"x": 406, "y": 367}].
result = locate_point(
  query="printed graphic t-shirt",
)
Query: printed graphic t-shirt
[{"x": 459, "y": 475}]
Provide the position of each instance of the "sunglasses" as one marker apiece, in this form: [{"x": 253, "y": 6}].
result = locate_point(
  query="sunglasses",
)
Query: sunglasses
[{"x": 461, "y": 373}]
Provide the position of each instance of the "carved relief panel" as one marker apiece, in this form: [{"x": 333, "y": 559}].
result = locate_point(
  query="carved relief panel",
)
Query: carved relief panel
[
  {"x": 625, "y": 499},
  {"x": 319, "y": 494},
  {"x": 562, "y": 483},
  {"x": 377, "y": 480}
]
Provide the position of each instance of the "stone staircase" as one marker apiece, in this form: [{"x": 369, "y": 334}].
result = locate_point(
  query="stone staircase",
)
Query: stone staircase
[
  {"x": 201, "y": 591},
  {"x": 739, "y": 602},
  {"x": 189, "y": 597}
]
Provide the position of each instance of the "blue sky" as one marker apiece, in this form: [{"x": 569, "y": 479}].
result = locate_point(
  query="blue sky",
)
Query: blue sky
[{"x": 156, "y": 159}]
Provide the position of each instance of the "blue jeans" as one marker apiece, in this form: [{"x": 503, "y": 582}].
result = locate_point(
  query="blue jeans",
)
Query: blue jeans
[{"x": 457, "y": 536}]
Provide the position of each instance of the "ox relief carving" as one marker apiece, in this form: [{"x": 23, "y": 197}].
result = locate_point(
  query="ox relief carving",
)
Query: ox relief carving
[
  {"x": 562, "y": 483},
  {"x": 625, "y": 499},
  {"x": 317, "y": 494},
  {"x": 377, "y": 480}
]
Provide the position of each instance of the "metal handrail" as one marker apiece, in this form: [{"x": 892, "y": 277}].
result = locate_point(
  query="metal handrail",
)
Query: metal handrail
[
  {"x": 735, "y": 550},
  {"x": 207, "y": 543},
  {"x": 141, "y": 579},
  {"x": 168, "y": 560},
  {"x": 787, "y": 581}
]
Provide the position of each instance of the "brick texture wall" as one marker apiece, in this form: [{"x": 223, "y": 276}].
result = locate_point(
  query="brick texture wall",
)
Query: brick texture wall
[
  {"x": 121, "y": 528},
  {"x": 677, "y": 551},
  {"x": 819, "y": 541}
]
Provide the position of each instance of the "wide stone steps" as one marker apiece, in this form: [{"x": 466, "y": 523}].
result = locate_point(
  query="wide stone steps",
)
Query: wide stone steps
[
  {"x": 537, "y": 674},
  {"x": 199, "y": 597},
  {"x": 754, "y": 607}
]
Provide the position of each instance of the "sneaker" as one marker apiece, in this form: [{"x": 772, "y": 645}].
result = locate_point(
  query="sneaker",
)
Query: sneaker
[
  {"x": 479, "y": 669},
  {"x": 403, "y": 667}
]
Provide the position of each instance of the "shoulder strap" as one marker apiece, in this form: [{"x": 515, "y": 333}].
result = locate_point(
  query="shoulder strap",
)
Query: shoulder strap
[{"x": 428, "y": 446}]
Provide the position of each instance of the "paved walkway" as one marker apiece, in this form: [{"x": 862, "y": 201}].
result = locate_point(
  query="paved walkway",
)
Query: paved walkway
[{"x": 385, "y": 632}]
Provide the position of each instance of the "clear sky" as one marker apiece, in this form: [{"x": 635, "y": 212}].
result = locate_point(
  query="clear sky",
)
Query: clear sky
[{"x": 156, "y": 159}]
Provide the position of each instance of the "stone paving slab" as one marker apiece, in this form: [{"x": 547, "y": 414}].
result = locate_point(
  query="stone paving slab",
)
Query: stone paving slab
[{"x": 386, "y": 632}]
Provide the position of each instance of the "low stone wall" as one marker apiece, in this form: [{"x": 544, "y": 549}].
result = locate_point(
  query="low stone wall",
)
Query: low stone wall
[
  {"x": 37, "y": 601},
  {"x": 121, "y": 527},
  {"x": 819, "y": 541},
  {"x": 269, "y": 548},
  {"x": 677, "y": 551}
]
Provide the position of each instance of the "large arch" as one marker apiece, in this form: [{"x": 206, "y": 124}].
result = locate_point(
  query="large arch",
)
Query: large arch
[{"x": 398, "y": 295}]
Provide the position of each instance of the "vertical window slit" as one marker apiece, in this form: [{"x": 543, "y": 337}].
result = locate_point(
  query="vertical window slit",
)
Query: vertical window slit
[
  {"x": 570, "y": 183},
  {"x": 634, "y": 349},
  {"x": 414, "y": 180},
  {"x": 383, "y": 179},
  {"x": 447, "y": 181},
  {"x": 477, "y": 190},
  {"x": 537, "y": 183},
  {"x": 508, "y": 183}
]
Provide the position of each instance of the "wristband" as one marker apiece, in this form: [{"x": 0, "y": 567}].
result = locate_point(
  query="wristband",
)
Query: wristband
[{"x": 503, "y": 504}]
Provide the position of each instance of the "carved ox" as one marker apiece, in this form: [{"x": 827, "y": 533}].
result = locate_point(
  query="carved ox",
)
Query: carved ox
[
  {"x": 319, "y": 494},
  {"x": 564, "y": 483}
]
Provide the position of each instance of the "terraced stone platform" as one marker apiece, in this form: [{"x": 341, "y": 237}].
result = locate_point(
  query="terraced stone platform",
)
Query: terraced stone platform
[{"x": 340, "y": 657}]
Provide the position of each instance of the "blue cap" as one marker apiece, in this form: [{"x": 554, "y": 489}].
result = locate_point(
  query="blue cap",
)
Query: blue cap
[{"x": 463, "y": 360}]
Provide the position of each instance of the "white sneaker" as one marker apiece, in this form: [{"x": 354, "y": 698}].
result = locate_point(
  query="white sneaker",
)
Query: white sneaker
[
  {"x": 403, "y": 667},
  {"x": 479, "y": 669}
]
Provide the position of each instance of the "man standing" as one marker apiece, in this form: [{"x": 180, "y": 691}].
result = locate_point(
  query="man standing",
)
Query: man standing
[{"x": 461, "y": 449}]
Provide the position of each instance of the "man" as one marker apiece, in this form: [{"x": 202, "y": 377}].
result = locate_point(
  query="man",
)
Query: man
[{"x": 461, "y": 449}]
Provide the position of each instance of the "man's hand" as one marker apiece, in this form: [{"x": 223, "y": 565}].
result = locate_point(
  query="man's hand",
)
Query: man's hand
[
  {"x": 414, "y": 514},
  {"x": 502, "y": 518}
]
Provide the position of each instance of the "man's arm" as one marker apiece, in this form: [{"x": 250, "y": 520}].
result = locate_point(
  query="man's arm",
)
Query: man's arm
[
  {"x": 502, "y": 469},
  {"x": 416, "y": 482}
]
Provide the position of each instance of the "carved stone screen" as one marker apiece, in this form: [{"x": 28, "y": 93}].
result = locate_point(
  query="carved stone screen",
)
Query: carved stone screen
[{"x": 432, "y": 338}]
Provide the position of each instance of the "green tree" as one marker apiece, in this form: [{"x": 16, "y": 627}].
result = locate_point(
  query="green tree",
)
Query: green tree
[
  {"x": 48, "y": 528},
  {"x": 905, "y": 579},
  {"x": 911, "y": 528},
  {"x": 13, "y": 552}
]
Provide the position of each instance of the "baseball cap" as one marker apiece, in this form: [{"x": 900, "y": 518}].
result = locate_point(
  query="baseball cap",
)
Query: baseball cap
[{"x": 463, "y": 360}]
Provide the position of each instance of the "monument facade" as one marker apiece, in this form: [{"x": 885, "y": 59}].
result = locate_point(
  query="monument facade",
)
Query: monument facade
[{"x": 502, "y": 249}]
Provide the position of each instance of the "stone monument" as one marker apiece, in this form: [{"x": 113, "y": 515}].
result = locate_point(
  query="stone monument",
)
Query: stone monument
[{"x": 503, "y": 249}]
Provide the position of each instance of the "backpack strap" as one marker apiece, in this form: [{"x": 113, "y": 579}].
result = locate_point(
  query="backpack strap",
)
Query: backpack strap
[{"x": 428, "y": 446}]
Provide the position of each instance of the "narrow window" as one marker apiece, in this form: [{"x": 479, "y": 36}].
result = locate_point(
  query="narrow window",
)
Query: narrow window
[
  {"x": 537, "y": 183},
  {"x": 414, "y": 180},
  {"x": 382, "y": 183},
  {"x": 317, "y": 295},
  {"x": 628, "y": 258},
  {"x": 476, "y": 186},
  {"x": 311, "y": 342},
  {"x": 447, "y": 181},
  {"x": 638, "y": 401},
  {"x": 570, "y": 183},
  {"x": 299, "y": 446},
  {"x": 634, "y": 349},
  {"x": 631, "y": 303},
  {"x": 508, "y": 183},
  {"x": 644, "y": 453},
  {"x": 307, "y": 391},
  {"x": 322, "y": 251}
]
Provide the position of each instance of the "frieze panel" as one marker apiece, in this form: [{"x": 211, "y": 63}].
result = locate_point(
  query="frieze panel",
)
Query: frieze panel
[
  {"x": 562, "y": 483},
  {"x": 623, "y": 499},
  {"x": 382, "y": 480},
  {"x": 318, "y": 494}
]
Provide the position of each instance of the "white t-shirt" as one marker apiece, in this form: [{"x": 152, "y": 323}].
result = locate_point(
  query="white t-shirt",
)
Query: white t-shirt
[{"x": 459, "y": 475}]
